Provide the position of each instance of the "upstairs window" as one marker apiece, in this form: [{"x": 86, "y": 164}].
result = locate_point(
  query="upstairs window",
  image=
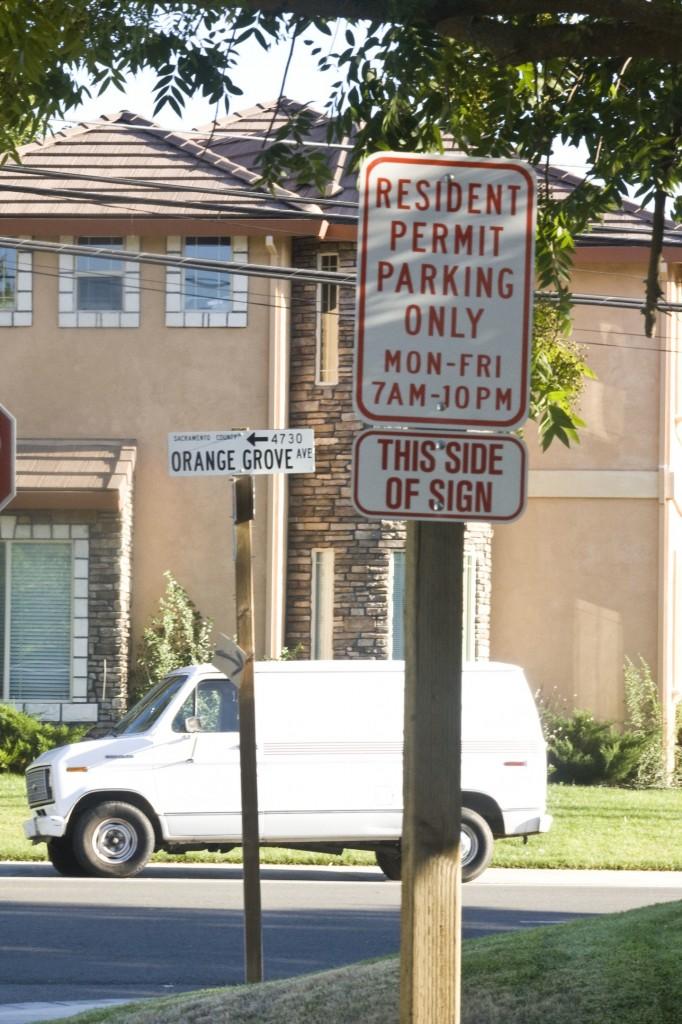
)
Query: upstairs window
[
  {"x": 8, "y": 279},
  {"x": 206, "y": 296},
  {"x": 99, "y": 280},
  {"x": 203, "y": 288},
  {"x": 16, "y": 300},
  {"x": 97, "y": 290}
]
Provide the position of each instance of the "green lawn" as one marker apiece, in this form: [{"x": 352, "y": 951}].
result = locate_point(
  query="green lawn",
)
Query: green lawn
[
  {"x": 612, "y": 969},
  {"x": 593, "y": 828}
]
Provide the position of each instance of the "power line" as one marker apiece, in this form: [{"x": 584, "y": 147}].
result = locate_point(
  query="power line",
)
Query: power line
[
  {"x": 310, "y": 275},
  {"x": 227, "y": 210},
  {"x": 238, "y": 193},
  {"x": 286, "y": 303},
  {"x": 673, "y": 236},
  {"x": 306, "y": 275}
]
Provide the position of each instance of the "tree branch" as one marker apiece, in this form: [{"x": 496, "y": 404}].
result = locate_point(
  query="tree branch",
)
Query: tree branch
[
  {"x": 606, "y": 28},
  {"x": 516, "y": 44},
  {"x": 653, "y": 287}
]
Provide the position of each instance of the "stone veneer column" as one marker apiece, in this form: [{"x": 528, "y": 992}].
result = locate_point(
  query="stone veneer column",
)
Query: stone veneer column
[
  {"x": 320, "y": 511},
  {"x": 109, "y": 602}
]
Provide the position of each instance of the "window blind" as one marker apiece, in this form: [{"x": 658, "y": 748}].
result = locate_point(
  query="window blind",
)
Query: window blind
[{"x": 40, "y": 621}]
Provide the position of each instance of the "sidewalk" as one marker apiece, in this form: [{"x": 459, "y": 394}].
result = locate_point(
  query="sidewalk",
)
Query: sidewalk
[{"x": 27, "y": 1013}]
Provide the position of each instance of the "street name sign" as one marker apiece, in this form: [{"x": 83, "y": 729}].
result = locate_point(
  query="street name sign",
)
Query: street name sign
[
  {"x": 444, "y": 291},
  {"x": 8, "y": 455},
  {"x": 420, "y": 474},
  {"x": 238, "y": 452}
]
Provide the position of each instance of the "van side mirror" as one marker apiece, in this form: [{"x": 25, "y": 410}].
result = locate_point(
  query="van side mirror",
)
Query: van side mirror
[{"x": 192, "y": 724}]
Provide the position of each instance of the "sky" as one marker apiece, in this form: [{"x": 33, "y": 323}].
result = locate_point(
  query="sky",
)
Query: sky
[{"x": 260, "y": 76}]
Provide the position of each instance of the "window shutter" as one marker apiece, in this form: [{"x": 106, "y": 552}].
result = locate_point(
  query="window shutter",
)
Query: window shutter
[{"x": 40, "y": 621}]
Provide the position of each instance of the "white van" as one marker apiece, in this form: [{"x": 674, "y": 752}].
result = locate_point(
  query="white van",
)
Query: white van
[{"x": 329, "y": 737}]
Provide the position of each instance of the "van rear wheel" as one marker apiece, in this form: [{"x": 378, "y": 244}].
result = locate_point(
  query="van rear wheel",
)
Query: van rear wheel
[
  {"x": 477, "y": 849},
  {"x": 477, "y": 845},
  {"x": 390, "y": 862},
  {"x": 113, "y": 840}
]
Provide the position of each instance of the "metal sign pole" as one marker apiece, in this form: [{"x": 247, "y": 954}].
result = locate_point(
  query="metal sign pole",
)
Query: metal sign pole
[
  {"x": 243, "y": 519},
  {"x": 430, "y": 948}
]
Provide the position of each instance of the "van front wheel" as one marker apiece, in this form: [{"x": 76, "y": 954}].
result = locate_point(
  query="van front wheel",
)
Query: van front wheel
[
  {"x": 61, "y": 855},
  {"x": 113, "y": 840}
]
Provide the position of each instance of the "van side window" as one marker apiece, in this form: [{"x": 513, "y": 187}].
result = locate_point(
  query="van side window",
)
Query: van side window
[{"x": 214, "y": 704}]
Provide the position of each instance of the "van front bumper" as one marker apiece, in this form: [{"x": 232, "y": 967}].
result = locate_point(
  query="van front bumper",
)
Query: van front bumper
[{"x": 47, "y": 826}]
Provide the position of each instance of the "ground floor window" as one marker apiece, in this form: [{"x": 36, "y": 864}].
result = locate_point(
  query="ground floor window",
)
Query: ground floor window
[
  {"x": 397, "y": 608},
  {"x": 322, "y": 604},
  {"x": 36, "y": 601}
]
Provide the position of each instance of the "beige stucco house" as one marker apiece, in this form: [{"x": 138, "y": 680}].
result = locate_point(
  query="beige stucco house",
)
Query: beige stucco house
[{"x": 589, "y": 576}]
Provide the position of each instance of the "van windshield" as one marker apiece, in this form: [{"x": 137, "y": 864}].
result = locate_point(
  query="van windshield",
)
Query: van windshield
[{"x": 150, "y": 707}]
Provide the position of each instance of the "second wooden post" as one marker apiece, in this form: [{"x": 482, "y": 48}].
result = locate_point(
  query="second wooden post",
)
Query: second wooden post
[{"x": 243, "y": 520}]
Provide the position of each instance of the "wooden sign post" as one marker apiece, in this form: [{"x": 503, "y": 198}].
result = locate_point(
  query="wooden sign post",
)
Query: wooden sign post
[
  {"x": 243, "y": 520},
  {"x": 443, "y": 342},
  {"x": 241, "y": 454},
  {"x": 430, "y": 951}
]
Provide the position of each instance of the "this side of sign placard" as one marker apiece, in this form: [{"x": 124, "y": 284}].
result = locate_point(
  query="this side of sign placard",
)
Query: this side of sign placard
[{"x": 425, "y": 475}]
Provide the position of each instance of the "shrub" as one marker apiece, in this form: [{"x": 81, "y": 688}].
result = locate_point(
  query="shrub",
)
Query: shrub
[
  {"x": 585, "y": 751},
  {"x": 23, "y": 738},
  {"x": 178, "y": 635},
  {"x": 645, "y": 719}
]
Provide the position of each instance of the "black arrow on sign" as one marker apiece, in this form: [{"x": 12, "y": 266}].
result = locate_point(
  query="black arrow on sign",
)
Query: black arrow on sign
[{"x": 254, "y": 439}]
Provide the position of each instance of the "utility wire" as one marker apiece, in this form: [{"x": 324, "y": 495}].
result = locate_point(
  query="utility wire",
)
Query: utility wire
[
  {"x": 156, "y": 186},
  {"x": 306, "y": 275},
  {"x": 311, "y": 275},
  {"x": 262, "y": 301},
  {"x": 600, "y": 228},
  {"x": 227, "y": 211}
]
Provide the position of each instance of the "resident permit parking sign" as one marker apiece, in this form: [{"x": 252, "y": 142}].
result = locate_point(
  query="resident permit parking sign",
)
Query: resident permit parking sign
[
  {"x": 420, "y": 474},
  {"x": 239, "y": 452},
  {"x": 444, "y": 291}
]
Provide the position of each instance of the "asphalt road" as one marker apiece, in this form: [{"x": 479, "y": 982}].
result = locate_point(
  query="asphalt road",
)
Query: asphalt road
[{"x": 180, "y": 927}]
